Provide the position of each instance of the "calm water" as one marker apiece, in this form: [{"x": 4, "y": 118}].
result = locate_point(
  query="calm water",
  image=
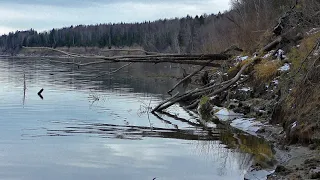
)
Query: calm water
[{"x": 100, "y": 128}]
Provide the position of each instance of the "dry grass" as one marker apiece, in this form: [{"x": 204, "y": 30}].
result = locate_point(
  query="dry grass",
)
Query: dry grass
[
  {"x": 298, "y": 54},
  {"x": 303, "y": 107},
  {"x": 266, "y": 70}
]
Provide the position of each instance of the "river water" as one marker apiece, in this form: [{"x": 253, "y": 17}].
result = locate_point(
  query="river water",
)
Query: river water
[{"x": 89, "y": 127}]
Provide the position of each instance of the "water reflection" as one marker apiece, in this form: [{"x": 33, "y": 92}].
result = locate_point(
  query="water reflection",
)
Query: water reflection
[{"x": 101, "y": 128}]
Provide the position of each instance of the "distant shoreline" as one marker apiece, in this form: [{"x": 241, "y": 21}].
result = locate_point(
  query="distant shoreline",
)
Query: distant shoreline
[{"x": 88, "y": 51}]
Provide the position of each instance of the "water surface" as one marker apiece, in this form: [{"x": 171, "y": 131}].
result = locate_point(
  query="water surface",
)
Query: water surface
[{"x": 99, "y": 128}]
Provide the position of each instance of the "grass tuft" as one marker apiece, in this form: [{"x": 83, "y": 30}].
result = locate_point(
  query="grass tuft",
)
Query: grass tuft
[{"x": 266, "y": 70}]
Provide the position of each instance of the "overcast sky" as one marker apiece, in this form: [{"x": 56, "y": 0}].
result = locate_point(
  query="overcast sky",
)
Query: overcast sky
[{"x": 47, "y": 14}]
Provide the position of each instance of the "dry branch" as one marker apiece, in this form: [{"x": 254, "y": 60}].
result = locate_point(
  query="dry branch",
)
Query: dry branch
[
  {"x": 130, "y": 50},
  {"x": 209, "y": 91},
  {"x": 188, "y": 77},
  {"x": 112, "y": 72},
  {"x": 225, "y": 87},
  {"x": 162, "y": 103}
]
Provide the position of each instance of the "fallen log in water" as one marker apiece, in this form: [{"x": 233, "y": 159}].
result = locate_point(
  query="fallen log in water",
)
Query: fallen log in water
[
  {"x": 195, "y": 59},
  {"x": 192, "y": 59},
  {"x": 195, "y": 95}
]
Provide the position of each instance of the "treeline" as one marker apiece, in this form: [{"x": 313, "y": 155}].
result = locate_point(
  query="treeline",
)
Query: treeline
[{"x": 242, "y": 25}]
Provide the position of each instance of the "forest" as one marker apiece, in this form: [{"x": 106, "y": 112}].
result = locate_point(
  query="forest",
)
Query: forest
[{"x": 243, "y": 25}]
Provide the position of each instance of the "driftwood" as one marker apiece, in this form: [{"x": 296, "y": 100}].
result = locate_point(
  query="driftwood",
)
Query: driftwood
[{"x": 273, "y": 44}]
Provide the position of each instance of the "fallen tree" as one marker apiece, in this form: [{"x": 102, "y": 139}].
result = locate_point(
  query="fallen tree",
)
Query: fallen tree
[
  {"x": 192, "y": 59},
  {"x": 191, "y": 98},
  {"x": 208, "y": 90}
]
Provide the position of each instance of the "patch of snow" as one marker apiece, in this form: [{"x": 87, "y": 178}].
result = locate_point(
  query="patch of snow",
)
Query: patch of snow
[
  {"x": 280, "y": 54},
  {"x": 213, "y": 97},
  {"x": 248, "y": 125},
  {"x": 226, "y": 118},
  {"x": 285, "y": 67},
  {"x": 313, "y": 31},
  {"x": 239, "y": 58},
  {"x": 262, "y": 111},
  {"x": 275, "y": 82},
  {"x": 294, "y": 125},
  {"x": 211, "y": 125},
  {"x": 244, "y": 58},
  {"x": 268, "y": 54},
  {"x": 246, "y": 89},
  {"x": 258, "y": 174},
  {"x": 226, "y": 112}
]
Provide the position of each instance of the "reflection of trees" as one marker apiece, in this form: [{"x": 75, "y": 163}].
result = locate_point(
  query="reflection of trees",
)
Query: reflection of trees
[
  {"x": 139, "y": 77},
  {"x": 227, "y": 146},
  {"x": 127, "y": 132},
  {"x": 24, "y": 89},
  {"x": 235, "y": 147}
]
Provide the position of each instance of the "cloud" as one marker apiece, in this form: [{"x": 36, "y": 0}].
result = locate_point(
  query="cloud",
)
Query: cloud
[
  {"x": 79, "y": 3},
  {"x": 44, "y": 15},
  {"x": 5, "y": 30}
]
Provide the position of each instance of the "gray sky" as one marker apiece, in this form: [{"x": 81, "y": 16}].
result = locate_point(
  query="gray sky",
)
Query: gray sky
[{"x": 47, "y": 14}]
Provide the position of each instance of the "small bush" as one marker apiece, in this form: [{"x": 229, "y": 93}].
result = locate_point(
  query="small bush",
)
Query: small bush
[
  {"x": 205, "y": 108},
  {"x": 266, "y": 70},
  {"x": 204, "y": 100}
]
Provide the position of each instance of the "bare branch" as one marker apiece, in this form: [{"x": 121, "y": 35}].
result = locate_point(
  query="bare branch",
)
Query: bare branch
[{"x": 112, "y": 72}]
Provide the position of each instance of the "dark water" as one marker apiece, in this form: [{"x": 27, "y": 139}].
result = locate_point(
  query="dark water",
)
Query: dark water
[{"x": 100, "y": 128}]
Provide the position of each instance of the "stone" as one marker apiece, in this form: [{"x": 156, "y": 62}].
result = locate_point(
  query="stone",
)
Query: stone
[
  {"x": 280, "y": 168},
  {"x": 313, "y": 146},
  {"x": 314, "y": 173}
]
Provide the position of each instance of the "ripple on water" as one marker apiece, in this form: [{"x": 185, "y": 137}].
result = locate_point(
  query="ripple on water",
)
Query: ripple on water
[{"x": 92, "y": 128}]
